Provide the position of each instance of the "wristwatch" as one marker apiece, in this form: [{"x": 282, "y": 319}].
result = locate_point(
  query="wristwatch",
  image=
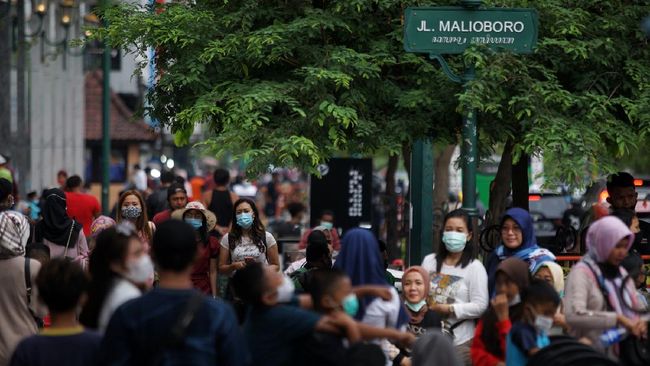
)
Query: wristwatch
[{"x": 451, "y": 309}]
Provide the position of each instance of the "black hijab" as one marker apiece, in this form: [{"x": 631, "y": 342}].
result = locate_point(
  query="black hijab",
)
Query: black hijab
[{"x": 56, "y": 225}]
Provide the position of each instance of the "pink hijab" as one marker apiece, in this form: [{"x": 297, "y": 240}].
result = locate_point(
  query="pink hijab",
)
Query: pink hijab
[
  {"x": 604, "y": 234},
  {"x": 416, "y": 318}
]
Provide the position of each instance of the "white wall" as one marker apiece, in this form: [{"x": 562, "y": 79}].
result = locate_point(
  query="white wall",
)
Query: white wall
[{"x": 57, "y": 112}]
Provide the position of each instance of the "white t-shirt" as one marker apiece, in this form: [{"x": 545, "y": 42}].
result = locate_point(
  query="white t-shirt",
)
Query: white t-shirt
[
  {"x": 466, "y": 288},
  {"x": 121, "y": 292},
  {"x": 246, "y": 248},
  {"x": 384, "y": 314}
]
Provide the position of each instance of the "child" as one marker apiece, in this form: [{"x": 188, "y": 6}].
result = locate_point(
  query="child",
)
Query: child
[
  {"x": 332, "y": 293},
  {"x": 530, "y": 334},
  {"x": 61, "y": 285},
  {"x": 276, "y": 333},
  {"x": 489, "y": 343}
]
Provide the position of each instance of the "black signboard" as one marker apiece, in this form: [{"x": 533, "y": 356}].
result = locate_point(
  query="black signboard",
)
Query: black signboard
[{"x": 345, "y": 188}]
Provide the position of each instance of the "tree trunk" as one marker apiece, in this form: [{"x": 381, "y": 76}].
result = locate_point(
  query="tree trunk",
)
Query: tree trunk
[
  {"x": 500, "y": 186},
  {"x": 441, "y": 191},
  {"x": 520, "y": 182},
  {"x": 392, "y": 233}
]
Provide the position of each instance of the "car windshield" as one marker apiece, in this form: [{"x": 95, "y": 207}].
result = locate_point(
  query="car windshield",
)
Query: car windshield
[{"x": 550, "y": 206}]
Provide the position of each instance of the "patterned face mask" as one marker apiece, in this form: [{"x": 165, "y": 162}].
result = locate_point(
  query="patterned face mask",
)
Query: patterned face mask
[{"x": 131, "y": 212}]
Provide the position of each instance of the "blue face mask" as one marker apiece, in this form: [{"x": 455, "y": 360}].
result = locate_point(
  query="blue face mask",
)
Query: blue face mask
[
  {"x": 327, "y": 225},
  {"x": 196, "y": 223},
  {"x": 415, "y": 307},
  {"x": 351, "y": 305},
  {"x": 454, "y": 241},
  {"x": 245, "y": 220}
]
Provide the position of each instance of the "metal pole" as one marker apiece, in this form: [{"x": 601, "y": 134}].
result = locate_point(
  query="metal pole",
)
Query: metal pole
[
  {"x": 22, "y": 147},
  {"x": 421, "y": 197},
  {"x": 469, "y": 151},
  {"x": 5, "y": 75},
  {"x": 106, "y": 120}
]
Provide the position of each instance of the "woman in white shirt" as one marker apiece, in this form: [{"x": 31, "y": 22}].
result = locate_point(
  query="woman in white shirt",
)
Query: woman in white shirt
[
  {"x": 459, "y": 284},
  {"x": 248, "y": 241}
]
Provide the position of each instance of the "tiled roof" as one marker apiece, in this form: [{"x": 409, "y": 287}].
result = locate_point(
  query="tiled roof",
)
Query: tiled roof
[{"x": 123, "y": 126}]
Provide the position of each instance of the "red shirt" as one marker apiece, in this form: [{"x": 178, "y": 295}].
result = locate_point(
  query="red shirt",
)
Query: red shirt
[
  {"x": 201, "y": 271},
  {"x": 83, "y": 208},
  {"x": 480, "y": 355},
  {"x": 161, "y": 217}
]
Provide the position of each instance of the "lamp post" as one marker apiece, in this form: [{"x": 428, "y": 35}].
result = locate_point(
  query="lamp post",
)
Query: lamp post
[
  {"x": 24, "y": 23},
  {"x": 106, "y": 120}
]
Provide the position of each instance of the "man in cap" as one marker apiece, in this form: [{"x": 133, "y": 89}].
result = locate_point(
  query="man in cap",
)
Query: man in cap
[{"x": 177, "y": 199}]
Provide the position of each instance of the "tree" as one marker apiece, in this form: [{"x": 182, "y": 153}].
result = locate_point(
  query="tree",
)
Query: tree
[
  {"x": 293, "y": 82},
  {"x": 580, "y": 101},
  {"x": 290, "y": 82}
]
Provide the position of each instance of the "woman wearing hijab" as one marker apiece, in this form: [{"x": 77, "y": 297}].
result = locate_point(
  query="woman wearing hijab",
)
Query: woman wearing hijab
[
  {"x": 551, "y": 273},
  {"x": 415, "y": 289},
  {"x": 517, "y": 240},
  {"x": 489, "y": 342},
  {"x": 16, "y": 308},
  {"x": 592, "y": 301},
  {"x": 361, "y": 261},
  {"x": 63, "y": 235}
]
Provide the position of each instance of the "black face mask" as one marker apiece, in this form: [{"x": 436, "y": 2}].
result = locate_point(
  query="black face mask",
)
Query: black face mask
[{"x": 638, "y": 237}]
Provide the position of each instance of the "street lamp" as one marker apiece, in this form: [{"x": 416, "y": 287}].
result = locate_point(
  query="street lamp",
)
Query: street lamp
[{"x": 40, "y": 8}]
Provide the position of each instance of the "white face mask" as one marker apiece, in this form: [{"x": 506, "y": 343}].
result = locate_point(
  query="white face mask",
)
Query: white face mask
[
  {"x": 543, "y": 323},
  {"x": 515, "y": 300},
  {"x": 286, "y": 290},
  {"x": 140, "y": 270}
]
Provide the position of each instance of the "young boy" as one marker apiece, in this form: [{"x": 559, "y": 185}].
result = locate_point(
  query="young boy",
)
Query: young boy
[
  {"x": 62, "y": 286},
  {"x": 276, "y": 333},
  {"x": 332, "y": 293},
  {"x": 530, "y": 334}
]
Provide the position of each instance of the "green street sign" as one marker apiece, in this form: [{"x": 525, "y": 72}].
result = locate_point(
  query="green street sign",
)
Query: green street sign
[{"x": 449, "y": 30}]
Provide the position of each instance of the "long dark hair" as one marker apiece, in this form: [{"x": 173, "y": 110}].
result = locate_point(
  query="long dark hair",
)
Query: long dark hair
[
  {"x": 202, "y": 231},
  {"x": 469, "y": 253},
  {"x": 142, "y": 222},
  {"x": 258, "y": 232},
  {"x": 111, "y": 246},
  {"x": 488, "y": 336}
]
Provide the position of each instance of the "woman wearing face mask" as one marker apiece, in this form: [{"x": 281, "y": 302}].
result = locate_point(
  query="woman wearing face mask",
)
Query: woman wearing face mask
[
  {"x": 247, "y": 241},
  {"x": 119, "y": 268},
  {"x": 415, "y": 289},
  {"x": 592, "y": 300},
  {"x": 204, "y": 276},
  {"x": 63, "y": 235},
  {"x": 551, "y": 273},
  {"x": 459, "y": 282},
  {"x": 132, "y": 209},
  {"x": 489, "y": 343},
  {"x": 517, "y": 240}
]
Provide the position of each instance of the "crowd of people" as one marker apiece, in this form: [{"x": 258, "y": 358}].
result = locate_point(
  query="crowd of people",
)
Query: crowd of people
[{"x": 203, "y": 283}]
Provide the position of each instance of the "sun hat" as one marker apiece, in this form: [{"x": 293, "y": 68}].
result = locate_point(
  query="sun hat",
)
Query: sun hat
[{"x": 210, "y": 218}]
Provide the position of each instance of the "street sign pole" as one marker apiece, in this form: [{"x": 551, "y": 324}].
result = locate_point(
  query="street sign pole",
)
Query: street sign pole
[
  {"x": 469, "y": 151},
  {"x": 421, "y": 197},
  {"x": 451, "y": 30}
]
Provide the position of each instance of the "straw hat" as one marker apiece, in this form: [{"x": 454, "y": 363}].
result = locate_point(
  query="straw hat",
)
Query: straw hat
[{"x": 210, "y": 218}]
